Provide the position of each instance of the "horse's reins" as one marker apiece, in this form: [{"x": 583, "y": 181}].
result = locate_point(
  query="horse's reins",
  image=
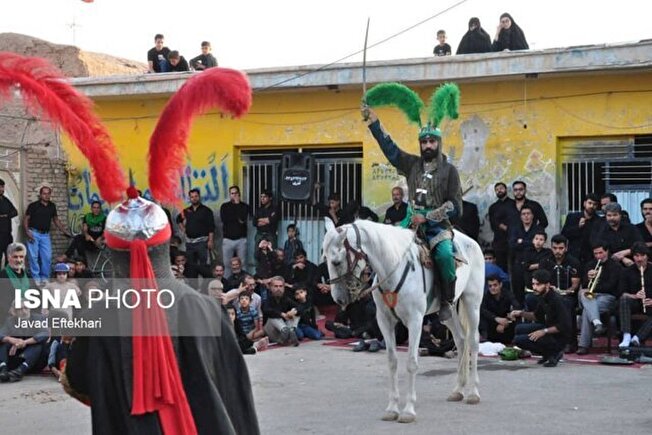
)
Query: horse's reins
[{"x": 359, "y": 254}]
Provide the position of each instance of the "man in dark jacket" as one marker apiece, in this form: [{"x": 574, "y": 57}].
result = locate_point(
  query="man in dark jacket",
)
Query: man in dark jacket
[
  {"x": 579, "y": 226},
  {"x": 496, "y": 306}
]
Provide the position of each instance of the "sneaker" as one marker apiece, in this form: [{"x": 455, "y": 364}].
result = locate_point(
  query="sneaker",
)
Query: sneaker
[
  {"x": 249, "y": 351},
  {"x": 285, "y": 335},
  {"x": 4, "y": 374},
  {"x": 599, "y": 329},
  {"x": 362, "y": 345},
  {"x": 374, "y": 346},
  {"x": 582, "y": 351},
  {"x": 624, "y": 343},
  {"x": 635, "y": 342}
]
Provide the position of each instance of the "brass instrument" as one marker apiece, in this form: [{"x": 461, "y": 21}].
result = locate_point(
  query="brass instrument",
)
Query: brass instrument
[
  {"x": 593, "y": 283},
  {"x": 552, "y": 287},
  {"x": 643, "y": 288}
]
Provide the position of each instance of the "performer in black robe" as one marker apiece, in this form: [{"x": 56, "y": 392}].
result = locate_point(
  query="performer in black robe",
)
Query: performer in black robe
[
  {"x": 475, "y": 40},
  {"x": 213, "y": 374},
  {"x": 509, "y": 35}
]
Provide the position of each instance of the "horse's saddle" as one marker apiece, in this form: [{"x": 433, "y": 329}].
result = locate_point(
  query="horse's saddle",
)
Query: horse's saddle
[{"x": 426, "y": 259}]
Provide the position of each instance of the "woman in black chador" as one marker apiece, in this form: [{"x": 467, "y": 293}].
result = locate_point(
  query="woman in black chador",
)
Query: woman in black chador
[
  {"x": 509, "y": 36},
  {"x": 476, "y": 40}
]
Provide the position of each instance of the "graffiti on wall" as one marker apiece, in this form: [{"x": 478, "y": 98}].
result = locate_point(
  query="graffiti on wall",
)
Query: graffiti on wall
[{"x": 211, "y": 179}]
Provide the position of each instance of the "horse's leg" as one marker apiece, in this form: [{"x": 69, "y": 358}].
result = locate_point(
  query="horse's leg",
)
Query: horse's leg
[
  {"x": 453, "y": 324},
  {"x": 472, "y": 342},
  {"x": 387, "y": 323},
  {"x": 415, "y": 324}
]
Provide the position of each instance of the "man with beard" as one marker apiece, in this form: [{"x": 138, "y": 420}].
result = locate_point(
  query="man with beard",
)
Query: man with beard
[
  {"x": 434, "y": 186},
  {"x": 645, "y": 227},
  {"x": 519, "y": 188},
  {"x": 608, "y": 198},
  {"x": 564, "y": 270},
  {"x": 397, "y": 212},
  {"x": 619, "y": 235},
  {"x": 476, "y": 40},
  {"x": 198, "y": 223},
  {"x": 500, "y": 216},
  {"x": 579, "y": 226},
  {"x": 13, "y": 276}
]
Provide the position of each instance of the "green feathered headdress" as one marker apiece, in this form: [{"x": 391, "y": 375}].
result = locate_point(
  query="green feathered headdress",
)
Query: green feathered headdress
[{"x": 444, "y": 102}]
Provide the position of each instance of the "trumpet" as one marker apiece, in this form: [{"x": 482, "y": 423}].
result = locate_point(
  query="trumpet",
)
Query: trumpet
[{"x": 593, "y": 283}]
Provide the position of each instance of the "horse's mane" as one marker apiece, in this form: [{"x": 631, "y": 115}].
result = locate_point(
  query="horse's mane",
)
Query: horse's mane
[{"x": 393, "y": 240}]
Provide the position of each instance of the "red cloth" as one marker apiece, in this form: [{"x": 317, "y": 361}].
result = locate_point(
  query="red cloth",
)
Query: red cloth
[{"x": 157, "y": 385}]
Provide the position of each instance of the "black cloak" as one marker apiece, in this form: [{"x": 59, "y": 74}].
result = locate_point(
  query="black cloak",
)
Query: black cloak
[
  {"x": 512, "y": 38},
  {"x": 475, "y": 41}
]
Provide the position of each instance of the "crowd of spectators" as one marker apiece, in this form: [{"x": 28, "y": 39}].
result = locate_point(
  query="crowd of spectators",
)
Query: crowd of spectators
[
  {"x": 161, "y": 59},
  {"x": 509, "y": 37}
]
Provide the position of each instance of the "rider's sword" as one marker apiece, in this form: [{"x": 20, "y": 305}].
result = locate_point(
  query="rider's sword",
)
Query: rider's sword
[{"x": 364, "y": 61}]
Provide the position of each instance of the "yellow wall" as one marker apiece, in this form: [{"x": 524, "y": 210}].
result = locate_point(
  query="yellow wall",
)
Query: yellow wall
[{"x": 488, "y": 143}]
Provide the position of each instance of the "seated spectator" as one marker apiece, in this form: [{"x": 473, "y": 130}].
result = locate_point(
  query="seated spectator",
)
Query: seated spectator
[
  {"x": 205, "y": 60},
  {"x": 63, "y": 283},
  {"x": 21, "y": 347},
  {"x": 636, "y": 287},
  {"x": 81, "y": 270},
  {"x": 618, "y": 234},
  {"x": 215, "y": 290},
  {"x": 252, "y": 289},
  {"x": 496, "y": 306},
  {"x": 264, "y": 256},
  {"x": 491, "y": 268},
  {"x": 59, "y": 346},
  {"x": 550, "y": 331},
  {"x": 177, "y": 62},
  {"x": 237, "y": 274},
  {"x": 307, "y": 326},
  {"x": 397, "y": 212},
  {"x": 292, "y": 244},
  {"x": 157, "y": 57},
  {"x": 281, "y": 313},
  {"x": 441, "y": 49},
  {"x": 13, "y": 276},
  {"x": 475, "y": 40},
  {"x": 435, "y": 338},
  {"x": 305, "y": 272},
  {"x": 645, "y": 227},
  {"x": 175, "y": 244},
  {"x": 604, "y": 296},
  {"x": 366, "y": 214},
  {"x": 535, "y": 254},
  {"x": 322, "y": 296},
  {"x": 247, "y": 347},
  {"x": 509, "y": 35},
  {"x": 280, "y": 267},
  {"x": 92, "y": 235},
  {"x": 249, "y": 318}
]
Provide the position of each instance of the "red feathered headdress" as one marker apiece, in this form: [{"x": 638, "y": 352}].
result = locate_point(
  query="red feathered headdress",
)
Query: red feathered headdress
[
  {"x": 44, "y": 89},
  {"x": 226, "y": 89}
]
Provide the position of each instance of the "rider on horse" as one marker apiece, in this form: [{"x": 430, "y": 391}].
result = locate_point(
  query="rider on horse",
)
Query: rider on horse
[{"x": 433, "y": 183}]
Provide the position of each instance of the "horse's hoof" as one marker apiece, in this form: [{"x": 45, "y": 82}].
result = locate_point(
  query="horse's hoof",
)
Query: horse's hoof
[
  {"x": 407, "y": 418},
  {"x": 455, "y": 397},
  {"x": 473, "y": 399},
  {"x": 390, "y": 416}
]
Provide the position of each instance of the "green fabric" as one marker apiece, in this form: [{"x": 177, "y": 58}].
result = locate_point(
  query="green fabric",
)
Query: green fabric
[
  {"x": 21, "y": 283},
  {"x": 429, "y": 130},
  {"x": 397, "y": 95},
  {"x": 92, "y": 220},
  {"x": 443, "y": 256},
  {"x": 509, "y": 354},
  {"x": 444, "y": 102}
]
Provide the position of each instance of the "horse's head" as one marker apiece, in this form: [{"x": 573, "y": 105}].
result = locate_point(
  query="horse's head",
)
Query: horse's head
[{"x": 346, "y": 263}]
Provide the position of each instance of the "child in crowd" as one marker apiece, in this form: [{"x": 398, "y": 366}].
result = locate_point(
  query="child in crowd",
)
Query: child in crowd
[
  {"x": 307, "y": 326},
  {"x": 534, "y": 255},
  {"x": 247, "y": 346},
  {"x": 292, "y": 244},
  {"x": 249, "y": 318},
  {"x": 442, "y": 49}
]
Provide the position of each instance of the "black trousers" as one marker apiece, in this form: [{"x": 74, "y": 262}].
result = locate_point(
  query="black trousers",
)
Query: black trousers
[
  {"x": 81, "y": 245},
  {"x": 5, "y": 240},
  {"x": 547, "y": 346}
]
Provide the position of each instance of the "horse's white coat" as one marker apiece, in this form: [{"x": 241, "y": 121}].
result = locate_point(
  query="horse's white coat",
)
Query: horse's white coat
[{"x": 387, "y": 249}]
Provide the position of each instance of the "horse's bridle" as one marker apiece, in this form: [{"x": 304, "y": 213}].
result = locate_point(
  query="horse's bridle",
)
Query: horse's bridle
[{"x": 354, "y": 257}]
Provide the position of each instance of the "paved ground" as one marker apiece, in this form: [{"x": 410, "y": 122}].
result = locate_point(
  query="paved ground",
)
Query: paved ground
[{"x": 325, "y": 390}]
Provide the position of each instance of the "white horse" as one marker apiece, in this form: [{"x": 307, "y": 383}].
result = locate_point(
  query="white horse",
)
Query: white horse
[{"x": 393, "y": 254}]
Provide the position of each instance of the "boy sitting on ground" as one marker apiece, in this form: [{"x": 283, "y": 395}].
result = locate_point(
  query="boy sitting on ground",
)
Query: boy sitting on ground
[{"x": 307, "y": 326}]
